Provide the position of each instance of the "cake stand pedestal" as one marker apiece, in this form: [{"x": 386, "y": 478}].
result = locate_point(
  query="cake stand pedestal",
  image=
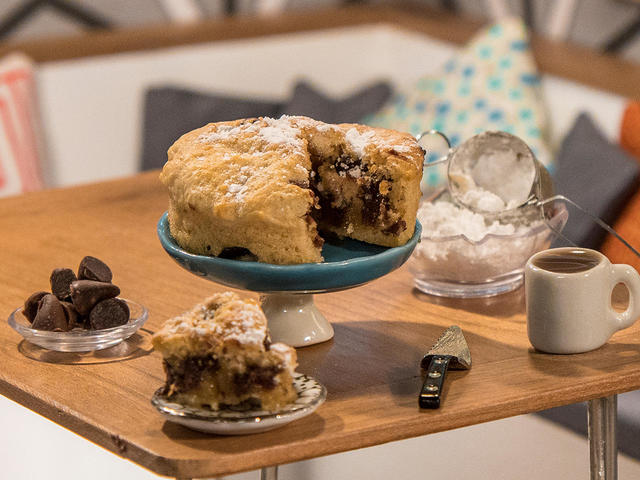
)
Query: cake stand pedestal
[
  {"x": 287, "y": 290},
  {"x": 294, "y": 319}
]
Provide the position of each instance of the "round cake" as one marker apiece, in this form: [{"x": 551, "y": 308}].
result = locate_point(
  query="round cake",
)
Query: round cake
[{"x": 271, "y": 189}]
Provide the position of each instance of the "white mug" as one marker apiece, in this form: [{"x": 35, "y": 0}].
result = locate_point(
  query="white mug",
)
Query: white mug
[{"x": 568, "y": 299}]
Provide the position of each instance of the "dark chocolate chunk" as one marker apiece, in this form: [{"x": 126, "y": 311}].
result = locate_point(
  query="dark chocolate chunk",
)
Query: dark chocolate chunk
[
  {"x": 396, "y": 228},
  {"x": 238, "y": 253},
  {"x": 50, "y": 315},
  {"x": 85, "y": 294},
  {"x": 350, "y": 165},
  {"x": 109, "y": 313},
  {"x": 187, "y": 374},
  {"x": 373, "y": 202},
  {"x": 92, "y": 268},
  {"x": 61, "y": 279},
  {"x": 255, "y": 375},
  {"x": 331, "y": 215},
  {"x": 31, "y": 305},
  {"x": 71, "y": 314}
]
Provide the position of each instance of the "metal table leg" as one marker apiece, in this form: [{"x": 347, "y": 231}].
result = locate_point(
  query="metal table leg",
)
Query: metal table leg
[
  {"x": 269, "y": 473},
  {"x": 603, "y": 447}
]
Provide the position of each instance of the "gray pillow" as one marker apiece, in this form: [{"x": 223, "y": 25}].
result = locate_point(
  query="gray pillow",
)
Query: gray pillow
[
  {"x": 169, "y": 112},
  {"x": 310, "y": 102},
  {"x": 595, "y": 174}
]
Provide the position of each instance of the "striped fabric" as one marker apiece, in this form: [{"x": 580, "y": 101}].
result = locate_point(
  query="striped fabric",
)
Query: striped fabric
[{"x": 20, "y": 144}]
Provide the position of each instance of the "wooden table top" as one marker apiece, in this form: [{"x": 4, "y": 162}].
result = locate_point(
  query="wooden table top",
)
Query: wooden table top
[{"x": 370, "y": 368}]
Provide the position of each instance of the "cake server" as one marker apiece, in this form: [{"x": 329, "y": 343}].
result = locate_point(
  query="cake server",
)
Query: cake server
[{"x": 450, "y": 351}]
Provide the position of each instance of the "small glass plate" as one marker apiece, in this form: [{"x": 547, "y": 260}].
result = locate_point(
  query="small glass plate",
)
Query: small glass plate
[
  {"x": 311, "y": 394},
  {"x": 79, "y": 340}
]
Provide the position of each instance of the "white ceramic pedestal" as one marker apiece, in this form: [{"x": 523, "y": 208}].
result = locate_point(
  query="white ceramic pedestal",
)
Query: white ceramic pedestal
[{"x": 294, "y": 319}]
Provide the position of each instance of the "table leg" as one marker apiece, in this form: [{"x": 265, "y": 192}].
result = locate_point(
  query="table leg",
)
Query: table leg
[
  {"x": 603, "y": 447},
  {"x": 269, "y": 473}
]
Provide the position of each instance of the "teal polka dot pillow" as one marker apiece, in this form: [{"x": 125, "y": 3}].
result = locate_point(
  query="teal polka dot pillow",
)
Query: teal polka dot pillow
[{"x": 492, "y": 84}]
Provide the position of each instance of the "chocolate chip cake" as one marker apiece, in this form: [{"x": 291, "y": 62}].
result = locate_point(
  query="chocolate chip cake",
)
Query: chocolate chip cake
[
  {"x": 270, "y": 189},
  {"x": 218, "y": 354}
]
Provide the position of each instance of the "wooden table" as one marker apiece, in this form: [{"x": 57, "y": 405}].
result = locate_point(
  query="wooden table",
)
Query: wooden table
[{"x": 370, "y": 368}]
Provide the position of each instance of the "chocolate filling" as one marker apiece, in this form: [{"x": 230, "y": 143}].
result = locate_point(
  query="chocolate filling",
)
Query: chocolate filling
[
  {"x": 255, "y": 375},
  {"x": 351, "y": 166},
  {"x": 238, "y": 253},
  {"x": 318, "y": 241},
  {"x": 187, "y": 374},
  {"x": 375, "y": 205},
  {"x": 331, "y": 215},
  {"x": 396, "y": 228}
]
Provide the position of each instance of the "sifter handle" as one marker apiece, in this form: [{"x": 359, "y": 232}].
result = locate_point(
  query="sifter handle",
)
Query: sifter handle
[{"x": 592, "y": 216}]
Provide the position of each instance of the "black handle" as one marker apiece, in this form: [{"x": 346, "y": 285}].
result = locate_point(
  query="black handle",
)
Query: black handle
[{"x": 431, "y": 392}]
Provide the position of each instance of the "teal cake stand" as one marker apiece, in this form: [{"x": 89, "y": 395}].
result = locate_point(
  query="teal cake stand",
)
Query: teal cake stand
[{"x": 287, "y": 290}]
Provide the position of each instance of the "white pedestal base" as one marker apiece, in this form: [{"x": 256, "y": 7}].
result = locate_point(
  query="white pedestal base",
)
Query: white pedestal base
[{"x": 294, "y": 319}]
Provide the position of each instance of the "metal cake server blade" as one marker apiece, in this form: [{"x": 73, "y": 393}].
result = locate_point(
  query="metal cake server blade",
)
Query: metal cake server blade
[{"x": 450, "y": 351}]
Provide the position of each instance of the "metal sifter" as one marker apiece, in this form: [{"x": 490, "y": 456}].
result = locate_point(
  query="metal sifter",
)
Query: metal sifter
[{"x": 497, "y": 175}]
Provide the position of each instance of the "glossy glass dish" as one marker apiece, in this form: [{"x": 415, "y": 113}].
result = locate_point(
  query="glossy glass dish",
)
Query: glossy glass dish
[
  {"x": 456, "y": 266},
  {"x": 79, "y": 340}
]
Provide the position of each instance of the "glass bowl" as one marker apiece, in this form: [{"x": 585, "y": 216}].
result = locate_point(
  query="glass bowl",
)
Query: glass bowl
[
  {"x": 80, "y": 340},
  {"x": 456, "y": 266}
]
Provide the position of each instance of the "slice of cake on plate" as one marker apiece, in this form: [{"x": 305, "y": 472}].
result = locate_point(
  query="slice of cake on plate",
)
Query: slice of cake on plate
[
  {"x": 218, "y": 354},
  {"x": 269, "y": 189}
]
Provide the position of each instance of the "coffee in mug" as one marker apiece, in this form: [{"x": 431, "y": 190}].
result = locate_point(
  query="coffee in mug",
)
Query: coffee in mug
[{"x": 568, "y": 299}]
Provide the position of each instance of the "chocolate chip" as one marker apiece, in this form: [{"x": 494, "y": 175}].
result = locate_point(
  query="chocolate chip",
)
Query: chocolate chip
[
  {"x": 85, "y": 294},
  {"x": 71, "y": 314},
  {"x": 50, "y": 315},
  {"x": 31, "y": 305},
  {"x": 238, "y": 253},
  {"x": 61, "y": 279},
  {"x": 92, "y": 268},
  {"x": 109, "y": 313},
  {"x": 396, "y": 228}
]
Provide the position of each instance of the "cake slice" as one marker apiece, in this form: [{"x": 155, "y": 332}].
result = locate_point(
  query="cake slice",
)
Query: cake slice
[{"x": 219, "y": 355}]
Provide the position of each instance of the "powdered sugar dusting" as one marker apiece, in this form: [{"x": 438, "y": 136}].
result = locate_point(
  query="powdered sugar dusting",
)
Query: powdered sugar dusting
[
  {"x": 358, "y": 141},
  {"x": 402, "y": 148},
  {"x": 271, "y": 131},
  {"x": 231, "y": 320},
  {"x": 245, "y": 324},
  {"x": 280, "y": 133},
  {"x": 237, "y": 191},
  {"x": 286, "y": 353}
]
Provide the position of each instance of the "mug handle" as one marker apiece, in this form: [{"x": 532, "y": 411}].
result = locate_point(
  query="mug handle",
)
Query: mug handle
[{"x": 626, "y": 274}]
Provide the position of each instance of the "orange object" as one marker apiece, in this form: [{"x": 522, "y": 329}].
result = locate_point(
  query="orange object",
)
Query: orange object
[
  {"x": 628, "y": 223},
  {"x": 630, "y": 129},
  {"x": 628, "y": 226}
]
